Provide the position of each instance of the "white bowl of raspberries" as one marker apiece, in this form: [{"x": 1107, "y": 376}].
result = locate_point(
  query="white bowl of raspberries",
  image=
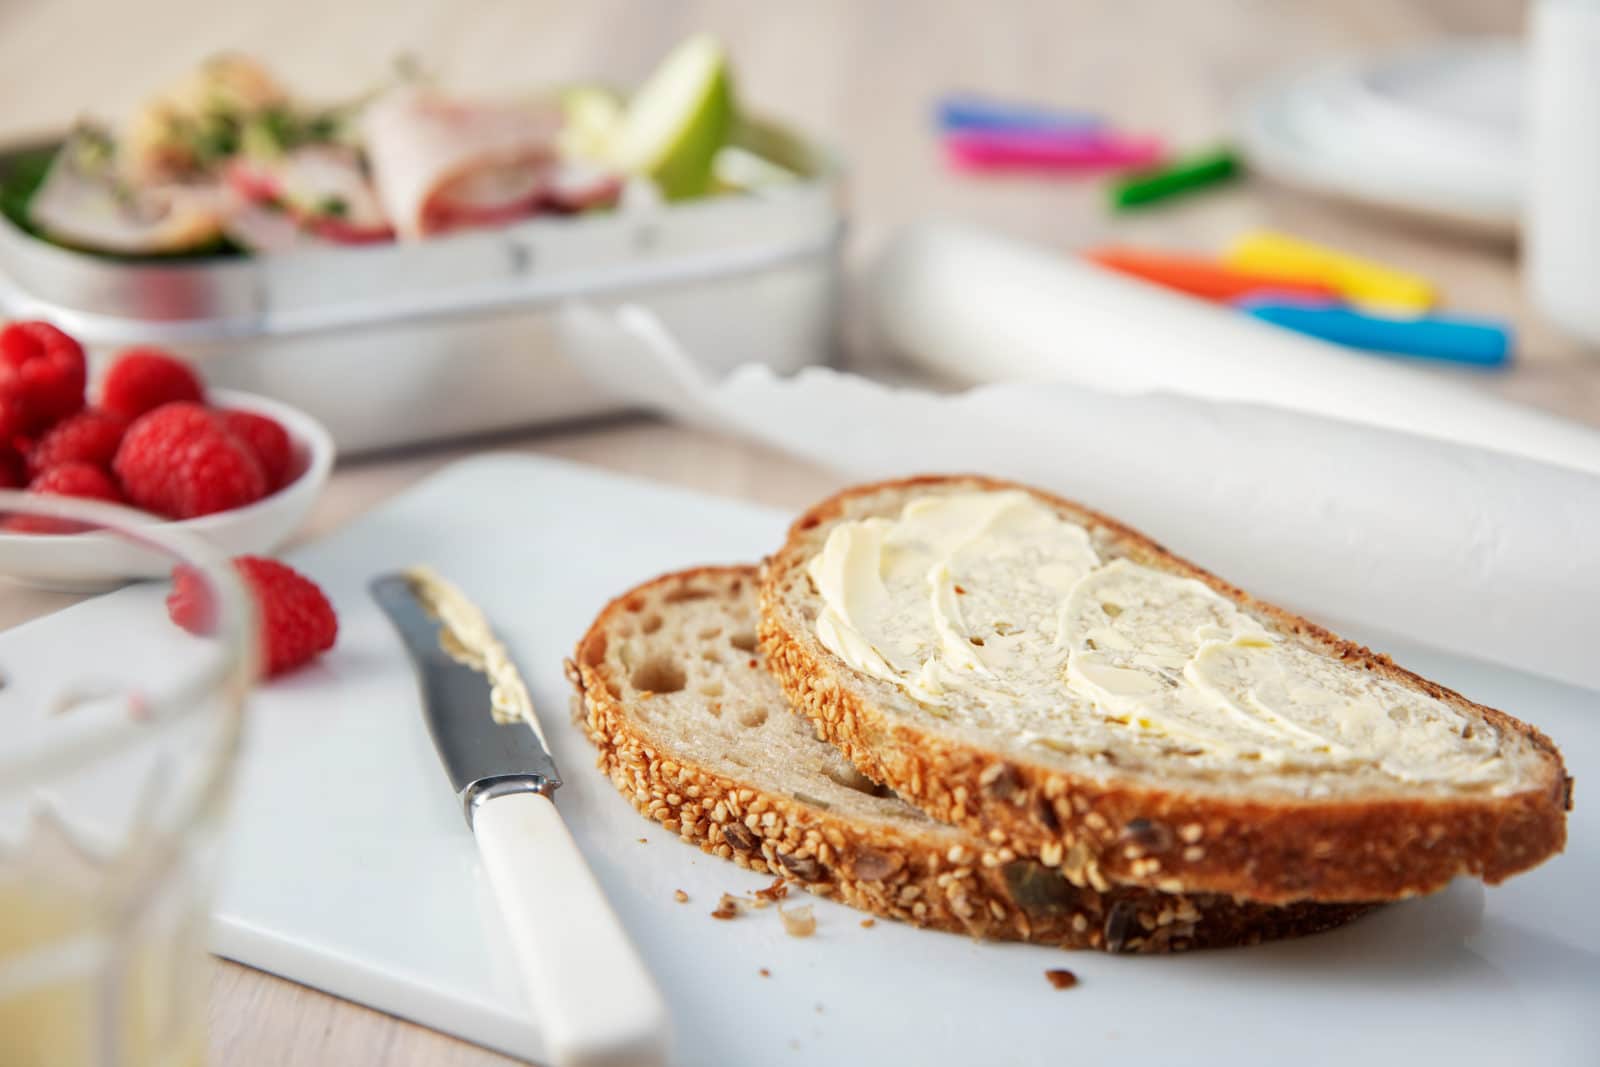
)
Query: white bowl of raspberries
[{"x": 239, "y": 470}]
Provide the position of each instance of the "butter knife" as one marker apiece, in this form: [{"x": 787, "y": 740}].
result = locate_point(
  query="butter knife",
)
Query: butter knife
[{"x": 592, "y": 998}]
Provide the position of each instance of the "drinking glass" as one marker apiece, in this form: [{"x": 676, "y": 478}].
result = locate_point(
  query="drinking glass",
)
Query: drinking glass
[{"x": 118, "y": 733}]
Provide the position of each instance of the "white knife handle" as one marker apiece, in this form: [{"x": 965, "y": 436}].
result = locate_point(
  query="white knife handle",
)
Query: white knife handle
[{"x": 593, "y": 1000}]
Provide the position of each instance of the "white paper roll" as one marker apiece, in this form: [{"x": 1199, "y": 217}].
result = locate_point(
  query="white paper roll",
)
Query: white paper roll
[
  {"x": 977, "y": 308},
  {"x": 1473, "y": 551}
]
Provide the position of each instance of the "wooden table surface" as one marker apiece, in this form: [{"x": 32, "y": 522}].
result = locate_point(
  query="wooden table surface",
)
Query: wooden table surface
[{"x": 862, "y": 74}]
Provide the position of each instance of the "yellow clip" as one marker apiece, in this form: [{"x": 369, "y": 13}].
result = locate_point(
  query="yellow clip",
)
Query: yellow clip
[{"x": 1360, "y": 280}]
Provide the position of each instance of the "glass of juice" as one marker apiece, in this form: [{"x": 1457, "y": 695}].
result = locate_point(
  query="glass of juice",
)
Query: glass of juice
[{"x": 118, "y": 733}]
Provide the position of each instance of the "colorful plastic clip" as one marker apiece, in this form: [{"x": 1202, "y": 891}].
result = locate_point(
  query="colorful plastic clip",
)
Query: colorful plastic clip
[
  {"x": 1361, "y": 281},
  {"x": 1204, "y": 278},
  {"x": 1183, "y": 176},
  {"x": 969, "y": 112},
  {"x": 1049, "y": 152},
  {"x": 1451, "y": 338}
]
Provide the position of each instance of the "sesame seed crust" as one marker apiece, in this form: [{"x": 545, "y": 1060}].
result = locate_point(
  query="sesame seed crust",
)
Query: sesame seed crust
[
  {"x": 930, "y": 876},
  {"x": 1275, "y": 851}
]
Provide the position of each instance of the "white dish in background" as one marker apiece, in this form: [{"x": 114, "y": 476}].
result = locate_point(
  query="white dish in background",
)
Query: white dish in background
[
  {"x": 91, "y": 562},
  {"x": 350, "y": 868},
  {"x": 1433, "y": 132}
]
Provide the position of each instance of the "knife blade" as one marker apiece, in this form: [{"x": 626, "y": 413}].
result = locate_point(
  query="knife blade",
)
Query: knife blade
[
  {"x": 481, "y": 756},
  {"x": 593, "y": 1000}
]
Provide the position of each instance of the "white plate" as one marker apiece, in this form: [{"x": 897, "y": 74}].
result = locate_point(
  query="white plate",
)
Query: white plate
[
  {"x": 95, "y": 561},
  {"x": 350, "y": 868},
  {"x": 1434, "y": 132}
]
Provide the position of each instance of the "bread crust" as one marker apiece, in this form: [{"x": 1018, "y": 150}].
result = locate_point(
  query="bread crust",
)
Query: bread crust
[
  {"x": 927, "y": 878},
  {"x": 1110, "y": 832}
]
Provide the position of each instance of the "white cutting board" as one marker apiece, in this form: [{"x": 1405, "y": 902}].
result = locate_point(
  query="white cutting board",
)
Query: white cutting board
[{"x": 350, "y": 868}]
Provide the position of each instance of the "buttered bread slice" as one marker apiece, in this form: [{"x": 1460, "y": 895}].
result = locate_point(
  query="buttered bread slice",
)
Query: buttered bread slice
[
  {"x": 1042, "y": 676},
  {"x": 694, "y": 731}
]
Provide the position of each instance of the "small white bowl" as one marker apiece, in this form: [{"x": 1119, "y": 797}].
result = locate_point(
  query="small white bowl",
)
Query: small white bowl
[{"x": 90, "y": 562}]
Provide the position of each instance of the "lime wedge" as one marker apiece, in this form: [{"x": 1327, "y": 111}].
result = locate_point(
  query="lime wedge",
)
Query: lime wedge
[
  {"x": 678, "y": 119},
  {"x": 591, "y": 117}
]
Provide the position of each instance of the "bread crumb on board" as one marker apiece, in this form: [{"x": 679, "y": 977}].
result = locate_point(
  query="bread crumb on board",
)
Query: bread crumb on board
[
  {"x": 798, "y": 922},
  {"x": 867, "y": 924},
  {"x": 680, "y": 896},
  {"x": 765, "y": 973},
  {"x": 727, "y": 907},
  {"x": 1061, "y": 978},
  {"x": 778, "y": 890}
]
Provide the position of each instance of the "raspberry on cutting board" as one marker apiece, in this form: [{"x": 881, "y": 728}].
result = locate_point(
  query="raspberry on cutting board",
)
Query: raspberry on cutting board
[
  {"x": 267, "y": 440},
  {"x": 143, "y": 379},
  {"x": 180, "y": 461},
  {"x": 297, "y": 621},
  {"x": 75, "y": 479},
  {"x": 42, "y": 374},
  {"x": 90, "y": 436}
]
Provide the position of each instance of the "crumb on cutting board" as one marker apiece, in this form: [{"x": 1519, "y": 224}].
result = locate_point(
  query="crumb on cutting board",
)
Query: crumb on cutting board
[
  {"x": 867, "y": 924},
  {"x": 680, "y": 896},
  {"x": 727, "y": 907},
  {"x": 798, "y": 922},
  {"x": 765, "y": 973},
  {"x": 1061, "y": 978},
  {"x": 778, "y": 890}
]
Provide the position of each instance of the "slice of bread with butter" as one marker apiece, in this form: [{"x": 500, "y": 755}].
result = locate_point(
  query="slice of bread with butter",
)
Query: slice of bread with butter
[
  {"x": 1048, "y": 679},
  {"x": 694, "y": 731}
]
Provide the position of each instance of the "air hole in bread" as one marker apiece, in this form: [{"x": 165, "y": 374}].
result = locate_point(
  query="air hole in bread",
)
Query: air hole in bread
[
  {"x": 1111, "y": 610},
  {"x": 658, "y": 674},
  {"x": 684, "y": 596},
  {"x": 977, "y": 641},
  {"x": 709, "y": 632},
  {"x": 650, "y": 624},
  {"x": 714, "y": 658},
  {"x": 634, "y": 604},
  {"x": 851, "y": 778},
  {"x": 744, "y": 642},
  {"x": 711, "y": 689},
  {"x": 752, "y": 717}
]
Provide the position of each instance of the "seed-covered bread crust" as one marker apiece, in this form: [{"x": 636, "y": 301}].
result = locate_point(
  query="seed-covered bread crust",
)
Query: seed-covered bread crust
[
  {"x": 1108, "y": 830},
  {"x": 688, "y": 632}
]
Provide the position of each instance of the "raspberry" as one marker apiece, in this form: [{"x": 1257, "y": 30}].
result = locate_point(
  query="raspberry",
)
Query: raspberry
[
  {"x": 88, "y": 437},
  {"x": 41, "y": 374},
  {"x": 12, "y": 474},
  {"x": 13, "y": 423},
  {"x": 142, "y": 379},
  {"x": 69, "y": 479},
  {"x": 297, "y": 621},
  {"x": 179, "y": 461},
  {"x": 267, "y": 440}
]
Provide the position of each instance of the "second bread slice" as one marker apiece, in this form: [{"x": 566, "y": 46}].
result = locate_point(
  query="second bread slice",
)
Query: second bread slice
[{"x": 694, "y": 731}]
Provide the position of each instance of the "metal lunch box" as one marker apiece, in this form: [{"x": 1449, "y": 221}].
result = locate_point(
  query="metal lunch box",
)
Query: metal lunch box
[{"x": 392, "y": 345}]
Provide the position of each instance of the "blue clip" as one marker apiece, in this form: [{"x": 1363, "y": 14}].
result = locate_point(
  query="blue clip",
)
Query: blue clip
[{"x": 1449, "y": 338}]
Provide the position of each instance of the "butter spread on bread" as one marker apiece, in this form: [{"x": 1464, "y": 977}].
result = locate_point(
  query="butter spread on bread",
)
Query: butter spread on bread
[{"x": 995, "y": 601}]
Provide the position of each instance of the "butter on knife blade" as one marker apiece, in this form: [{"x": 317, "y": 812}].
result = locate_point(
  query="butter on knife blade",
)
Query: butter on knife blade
[{"x": 466, "y": 637}]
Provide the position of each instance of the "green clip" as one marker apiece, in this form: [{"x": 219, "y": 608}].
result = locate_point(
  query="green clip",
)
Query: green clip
[{"x": 1186, "y": 175}]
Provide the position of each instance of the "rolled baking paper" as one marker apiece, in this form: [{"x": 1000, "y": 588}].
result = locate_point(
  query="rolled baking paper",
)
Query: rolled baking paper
[
  {"x": 1474, "y": 551},
  {"x": 976, "y": 307}
]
